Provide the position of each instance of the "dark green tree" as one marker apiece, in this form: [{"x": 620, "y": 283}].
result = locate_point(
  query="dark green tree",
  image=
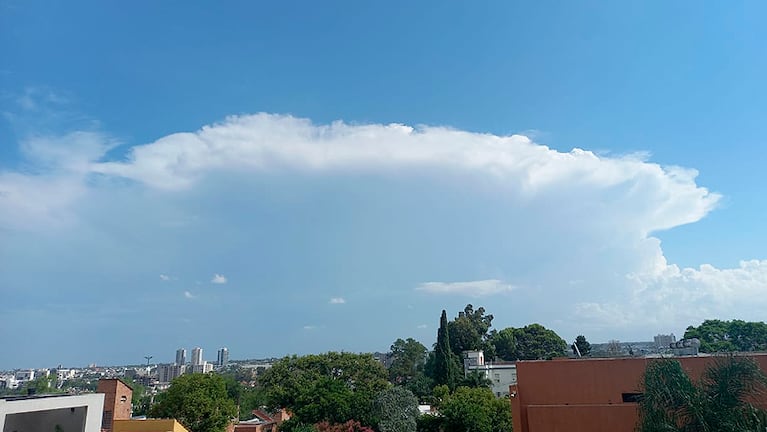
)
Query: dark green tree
[
  {"x": 396, "y": 410},
  {"x": 720, "y": 402},
  {"x": 198, "y": 401},
  {"x": 584, "y": 347},
  {"x": 505, "y": 344},
  {"x": 729, "y": 336},
  {"x": 333, "y": 387},
  {"x": 535, "y": 341},
  {"x": 408, "y": 360},
  {"x": 475, "y": 379},
  {"x": 469, "y": 332},
  {"x": 475, "y": 410},
  {"x": 445, "y": 362}
]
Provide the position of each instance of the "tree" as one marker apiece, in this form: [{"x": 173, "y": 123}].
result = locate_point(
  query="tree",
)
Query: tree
[
  {"x": 469, "y": 332},
  {"x": 445, "y": 363},
  {"x": 505, "y": 344},
  {"x": 476, "y": 379},
  {"x": 729, "y": 336},
  {"x": 333, "y": 387},
  {"x": 476, "y": 410},
  {"x": 198, "y": 401},
  {"x": 531, "y": 342},
  {"x": 720, "y": 402},
  {"x": 408, "y": 359},
  {"x": 584, "y": 347},
  {"x": 251, "y": 398},
  {"x": 396, "y": 409},
  {"x": 140, "y": 401}
]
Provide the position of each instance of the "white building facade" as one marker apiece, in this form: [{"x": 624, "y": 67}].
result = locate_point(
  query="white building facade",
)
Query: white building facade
[{"x": 500, "y": 374}]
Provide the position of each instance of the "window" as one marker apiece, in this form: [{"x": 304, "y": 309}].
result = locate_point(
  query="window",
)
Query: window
[{"x": 632, "y": 397}]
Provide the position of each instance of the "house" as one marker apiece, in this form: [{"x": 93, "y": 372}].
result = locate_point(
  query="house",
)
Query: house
[
  {"x": 262, "y": 421},
  {"x": 501, "y": 374},
  {"x": 117, "y": 401}
]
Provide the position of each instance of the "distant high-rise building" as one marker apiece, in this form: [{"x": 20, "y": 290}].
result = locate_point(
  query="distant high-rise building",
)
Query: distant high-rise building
[
  {"x": 205, "y": 367},
  {"x": 180, "y": 356},
  {"x": 196, "y": 356},
  {"x": 223, "y": 357},
  {"x": 168, "y": 372},
  {"x": 663, "y": 341}
]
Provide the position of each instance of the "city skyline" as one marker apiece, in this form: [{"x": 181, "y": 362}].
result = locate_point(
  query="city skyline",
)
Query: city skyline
[{"x": 330, "y": 177}]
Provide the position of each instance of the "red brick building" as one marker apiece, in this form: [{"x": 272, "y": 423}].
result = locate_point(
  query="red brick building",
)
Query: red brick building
[
  {"x": 588, "y": 395},
  {"x": 117, "y": 401}
]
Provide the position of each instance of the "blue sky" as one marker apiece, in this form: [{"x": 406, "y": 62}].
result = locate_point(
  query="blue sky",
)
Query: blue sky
[{"x": 294, "y": 177}]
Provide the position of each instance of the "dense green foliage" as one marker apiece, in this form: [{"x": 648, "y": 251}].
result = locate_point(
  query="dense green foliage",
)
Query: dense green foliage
[
  {"x": 333, "y": 387},
  {"x": 469, "y": 332},
  {"x": 584, "y": 347},
  {"x": 475, "y": 410},
  {"x": 718, "y": 403},
  {"x": 445, "y": 362},
  {"x": 200, "y": 402},
  {"x": 396, "y": 410},
  {"x": 729, "y": 336},
  {"x": 531, "y": 342},
  {"x": 408, "y": 360},
  {"x": 475, "y": 379}
]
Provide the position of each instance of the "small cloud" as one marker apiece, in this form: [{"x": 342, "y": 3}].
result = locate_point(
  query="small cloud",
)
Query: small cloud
[
  {"x": 337, "y": 300},
  {"x": 164, "y": 277},
  {"x": 189, "y": 295},
  {"x": 218, "y": 279},
  {"x": 480, "y": 288},
  {"x": 309, "y": 327},
  {"x": 422, "y": 326}
]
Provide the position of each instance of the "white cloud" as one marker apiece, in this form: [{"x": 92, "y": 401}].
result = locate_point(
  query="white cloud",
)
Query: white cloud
[
  {"x": 337, "y": 300},
  {"x": 56, "y": 177},
  {"x": 189, "y": 295},
  {"x": 422, "y": 326},
  {"x": 309, "y": 327},
  {"x": 263, "y": 141},
  {"x": 580, "y": 225},
  {"x": 480, "y": 288},
  {"x": 164, "y": 277},
  {"x": 218, "y": 279},
  {"x": 668, "y": 296}
]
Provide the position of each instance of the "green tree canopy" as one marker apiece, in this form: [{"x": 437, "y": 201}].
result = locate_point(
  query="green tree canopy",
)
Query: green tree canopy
[
  {"x": 445, "y": 361},
  {"x": 584, "y": 347},
  {"x": 476, "y": 378},
  {"x": 531, "y": 342},
  {"x": 505, "y": 344},
  {"x": 198, "y": 401},
  {"x": 720, "y": 402},
  {"x": 469, "y": 331},
  {"x": 333, "y": 387},
  {"x": 396, "y": 410},
  {"x": 729, "y": 336},
  {"x": 408, "y": 360},
  {"x": 475, "y": 410}
]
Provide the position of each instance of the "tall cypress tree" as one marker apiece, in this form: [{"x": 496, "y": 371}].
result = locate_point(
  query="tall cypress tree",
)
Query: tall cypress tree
[{"x": 444, "y": 367}]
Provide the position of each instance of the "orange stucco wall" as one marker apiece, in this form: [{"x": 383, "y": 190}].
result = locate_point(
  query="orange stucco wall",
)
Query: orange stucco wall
[{"x": 586, "y": 394}]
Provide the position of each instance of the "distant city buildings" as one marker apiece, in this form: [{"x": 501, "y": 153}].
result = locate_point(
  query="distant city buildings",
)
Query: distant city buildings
[
  {"x": 197, "y": 356},
  {"x": 664, "y": 341},
  {"x": 168, "y": 372},
  {"x": 181, "y": 357},
  {"x": 223, "y": 357}
]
